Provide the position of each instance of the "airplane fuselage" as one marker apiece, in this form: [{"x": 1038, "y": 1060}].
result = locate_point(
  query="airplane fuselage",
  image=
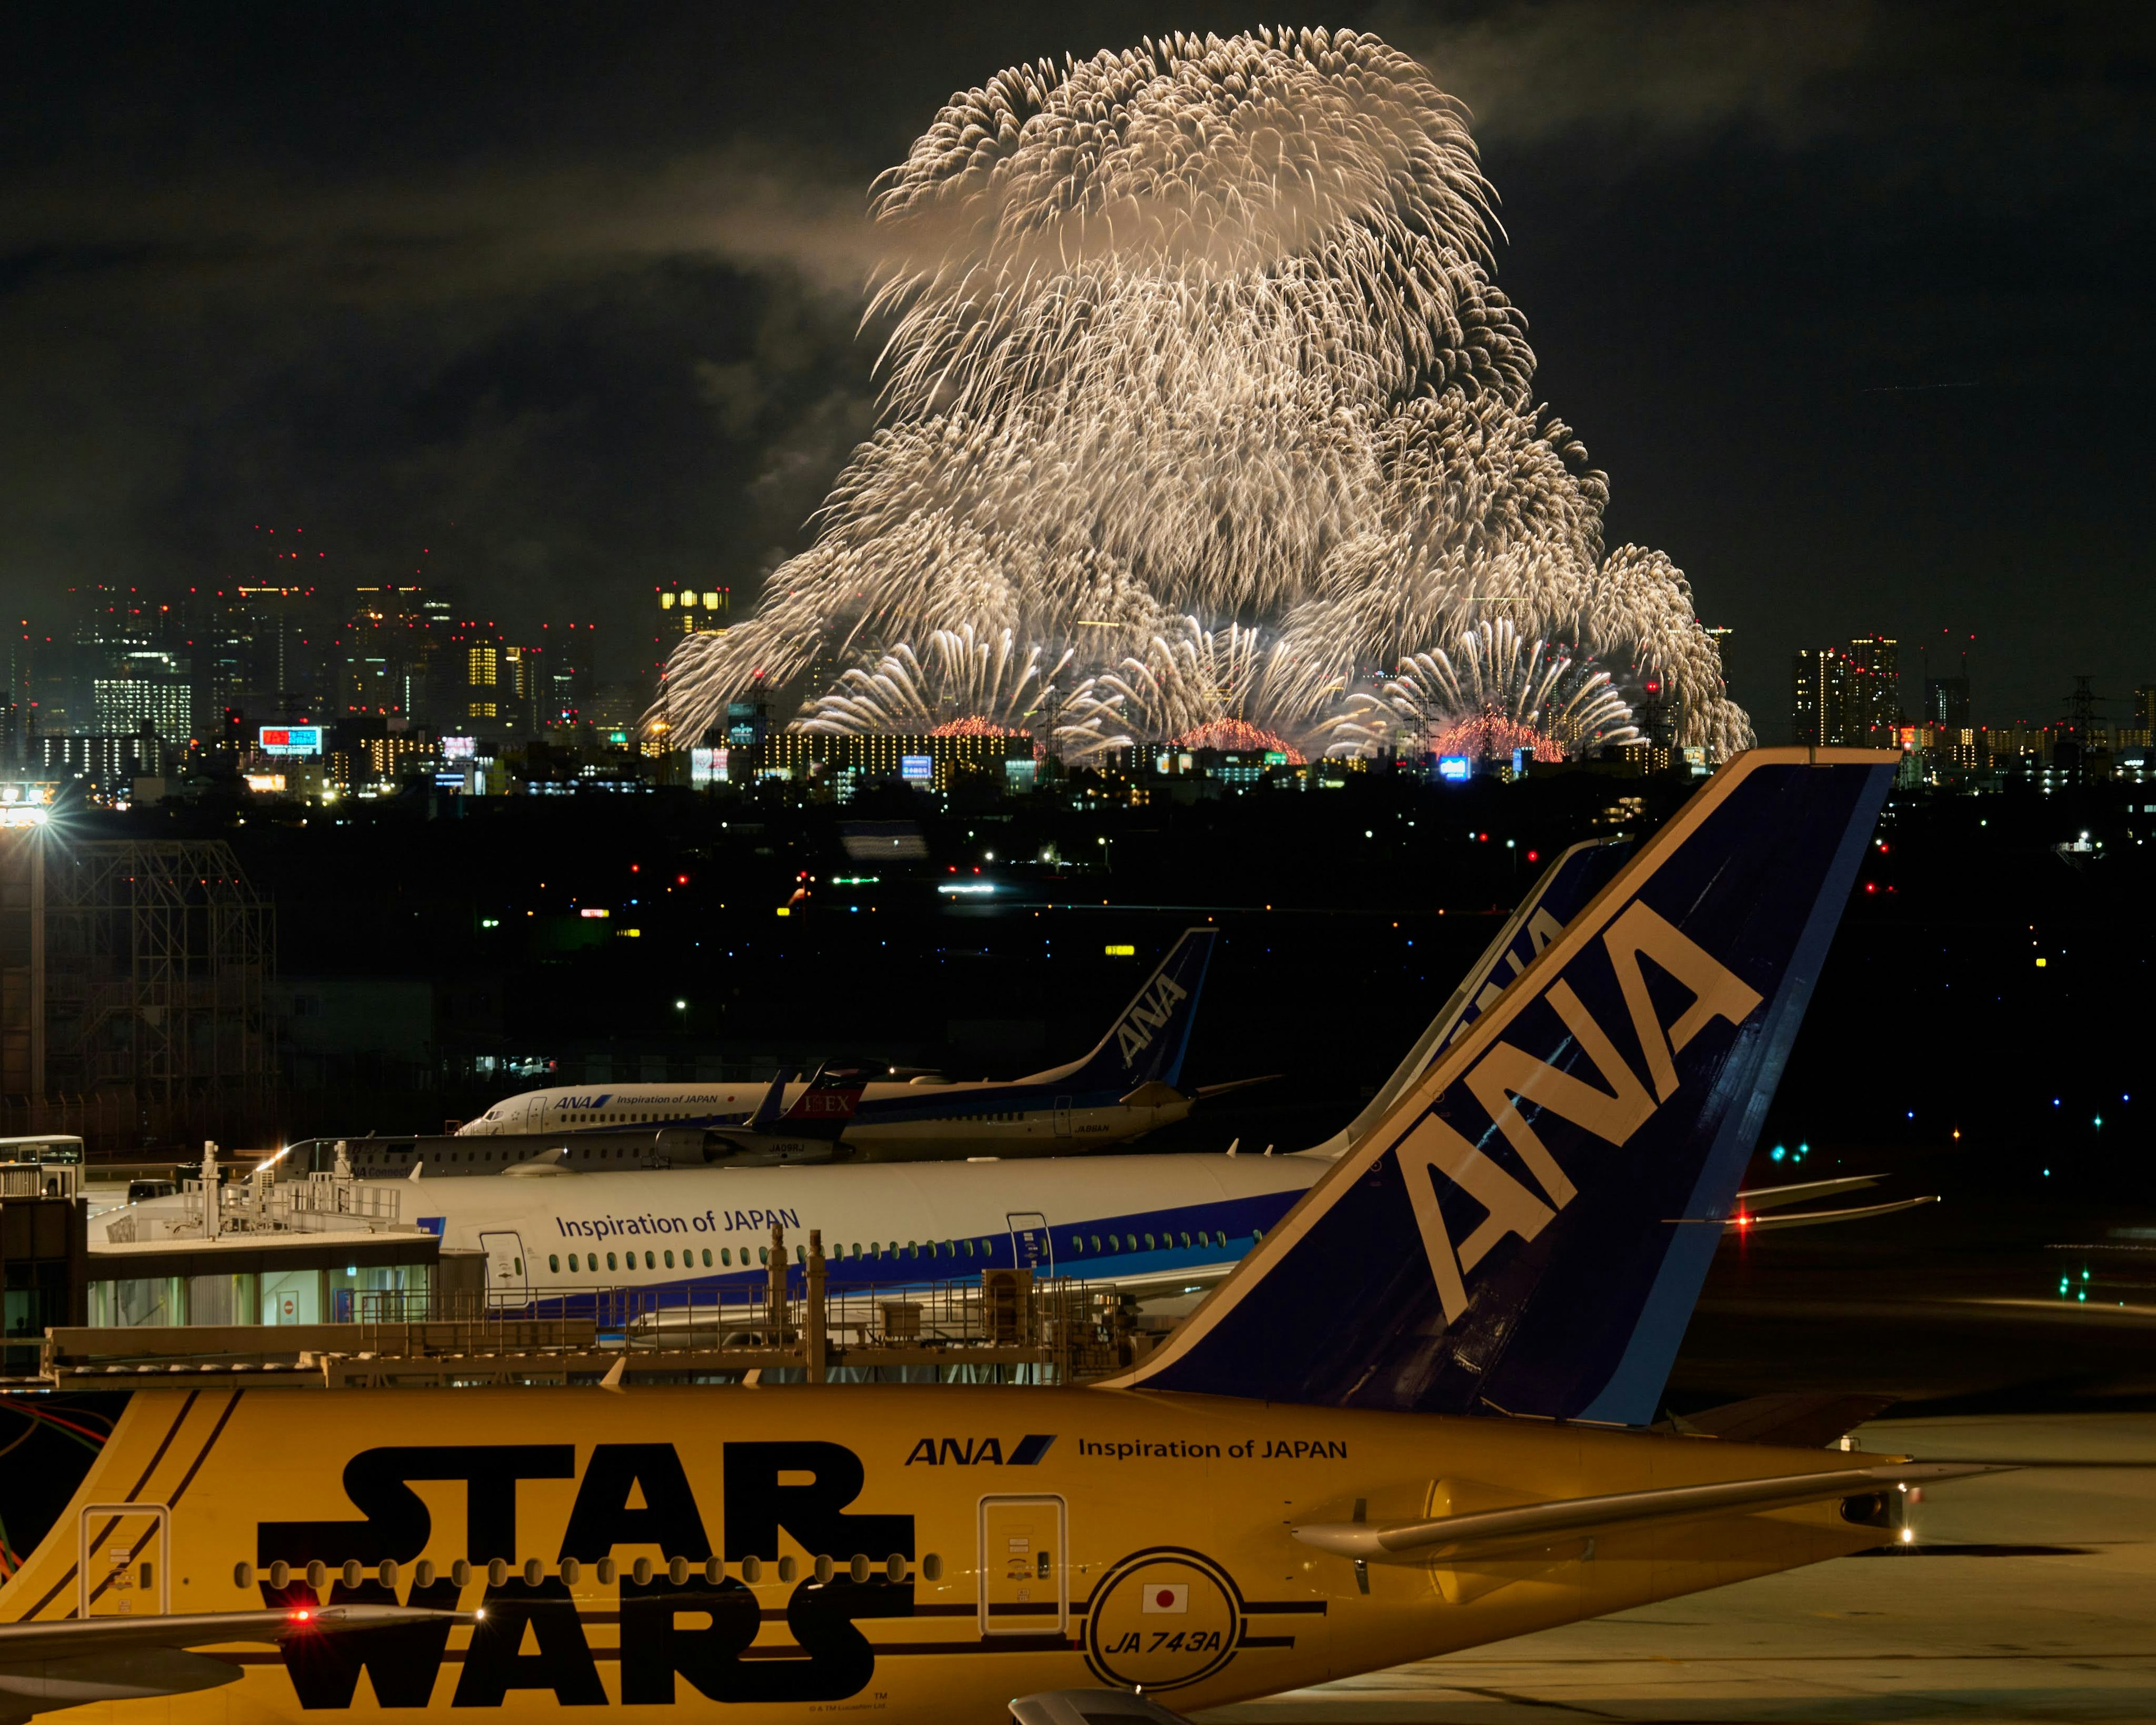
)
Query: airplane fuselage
[
  {"x": 919, "y": 1554},
  {"x": 889, "y": 1121},
  {"x": 1133, "y": 1218}
]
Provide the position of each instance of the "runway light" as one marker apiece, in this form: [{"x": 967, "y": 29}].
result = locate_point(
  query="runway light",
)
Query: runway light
[
  {"x": 1908, "y": 1535},
  {"x": 1777, "y": 1154}
]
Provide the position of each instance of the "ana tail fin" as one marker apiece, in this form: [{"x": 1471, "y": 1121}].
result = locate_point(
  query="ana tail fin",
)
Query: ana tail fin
[
  {"x": 1520, "y": 1235},
  {"x": 1563, "y": 892},
  {"x": 1146, "y": 1044}
]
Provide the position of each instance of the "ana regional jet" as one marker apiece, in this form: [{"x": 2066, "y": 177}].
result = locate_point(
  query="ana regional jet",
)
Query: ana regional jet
[
  {"x": 1414, "y": 1418},
  {"x": 1123, "y": 1089}
]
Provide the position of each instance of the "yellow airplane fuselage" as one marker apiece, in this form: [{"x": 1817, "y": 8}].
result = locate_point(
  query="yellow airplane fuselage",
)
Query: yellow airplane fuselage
[{"x": 976, "y": 1544}]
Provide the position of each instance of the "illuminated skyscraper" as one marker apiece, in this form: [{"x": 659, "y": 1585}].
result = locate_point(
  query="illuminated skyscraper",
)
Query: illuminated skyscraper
[
  {"x": 1819, "y": 697},
  {"x": 1874, "y": 692}
]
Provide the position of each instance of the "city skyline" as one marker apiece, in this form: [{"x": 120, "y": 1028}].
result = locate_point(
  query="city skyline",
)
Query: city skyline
[{"x": 616, "y": 348}]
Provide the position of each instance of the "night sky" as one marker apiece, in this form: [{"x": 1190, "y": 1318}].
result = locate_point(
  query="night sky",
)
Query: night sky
[{"x": 560, "y": 303}]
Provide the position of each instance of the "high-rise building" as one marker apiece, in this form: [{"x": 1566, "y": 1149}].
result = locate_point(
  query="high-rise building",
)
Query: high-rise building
[
  {"x": 1874, "y": 691},
  {"x": 693, "y": 611},
  {"x": 1819, "y": 697},
  {"x": 566, "y": 686},
  {"x": 1724, "y": 639},
  {"x": 1946, "y": 702},
  {"x": 145, "y": 688},
  {"x": 2144, "y": 708}
]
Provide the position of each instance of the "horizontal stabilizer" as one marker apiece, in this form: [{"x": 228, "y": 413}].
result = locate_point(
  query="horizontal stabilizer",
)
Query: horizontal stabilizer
[
  {"x": 1573, "y": 1517},
  {"x": 1754, "y": 1199},
  {"x": 1795, "y": 1419},
  {"x": 1813, "y": 1218}
]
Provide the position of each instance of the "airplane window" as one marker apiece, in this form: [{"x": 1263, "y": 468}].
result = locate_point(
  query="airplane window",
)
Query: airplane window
[
  {"x": 912, "y": 1251},
  {"x": 1096, "y": 1242},
  {"x": 648, "y": 1264},
  {"x": 988, "y": 1249},
  {"x": 1220, "y": 1237},
  {"x": 1077, "y": 1244},
  {"x": 1257, "y": 1236},
  {"x": 1186, "y": 1239},
  {"x": 875, "y": 1249},
  {"x": 1149, "y": 1242},
  {"x": 932, "y": 1568},
  {"x": 572, "y": 1262},
  {"x": 670, "y": 1260},
  {"x": 801, "y": 1255},
  {"x": 609, "y": 1260},
  {"x": 727, "y": 1256},
  {"x": 1133, "y": 1240},
  {"x": 763, "y": 1254},
  {"x": 553, "y": 1264},
  {"x": 857, "y": 1250},
  {"x": 969, "y": 1248},
  {"x": 707, "y": 1257}
]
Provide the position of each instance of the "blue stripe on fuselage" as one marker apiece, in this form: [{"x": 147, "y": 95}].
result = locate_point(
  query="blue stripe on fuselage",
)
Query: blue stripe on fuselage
[{"x": 931, "y": 1266}]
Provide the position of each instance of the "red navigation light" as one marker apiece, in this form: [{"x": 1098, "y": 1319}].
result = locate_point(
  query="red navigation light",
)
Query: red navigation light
[
  {"x": 1743, "y": 1221},
  {"x": 681, "y": 879},
  {"x": 1534, "y": 856},
  {"x": 302, "y": 1615}
]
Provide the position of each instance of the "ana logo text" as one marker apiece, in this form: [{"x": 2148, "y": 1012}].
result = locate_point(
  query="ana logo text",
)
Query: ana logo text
[
  {"x": 979, "y": 1452},
  {"x": 1506, "y": 1076},
  {"x": 1149, "y": 1013}
]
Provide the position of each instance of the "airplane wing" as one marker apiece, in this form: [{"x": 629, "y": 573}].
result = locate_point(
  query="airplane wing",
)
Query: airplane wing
[
  {"x": 47, "y": 1666},
  {"x": 1489, "y": 1531},
  {"x": 1090, "y": 1706},
  {"x": 1791, "y": 1419}
]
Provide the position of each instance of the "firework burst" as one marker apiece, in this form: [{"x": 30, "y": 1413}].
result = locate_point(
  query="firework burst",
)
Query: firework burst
[
  {"x": 1492, "y": 694},
  {"x": 1203, "y": 328}
]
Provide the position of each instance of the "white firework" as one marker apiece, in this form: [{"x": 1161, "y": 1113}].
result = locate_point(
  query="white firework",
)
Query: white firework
[
  {"x": 1495, "y": 693},
  {"x": 969, "y": 685},
  {"x": 1205, "y": 327},
  {"x": 1190, "y": 686}
]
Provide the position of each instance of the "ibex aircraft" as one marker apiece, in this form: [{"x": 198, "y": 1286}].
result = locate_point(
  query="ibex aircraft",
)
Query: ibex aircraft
[
  {"x": 1412, "y": 1420},
  {"x": 1123, "y": 1089}
]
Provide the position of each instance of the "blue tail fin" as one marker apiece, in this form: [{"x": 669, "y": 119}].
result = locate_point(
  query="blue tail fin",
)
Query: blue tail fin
[
  {"x": 1563, "y": 892},
  {"x": 1527, "y": 1230},
  {"x": 1146, "y": 1044}
]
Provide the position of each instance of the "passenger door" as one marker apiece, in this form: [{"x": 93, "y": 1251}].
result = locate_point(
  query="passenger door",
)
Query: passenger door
[
  {"x": 535, "y": 1115},
  {"x": 1063, "y": 1117},
  {"x": 1025, "y": 1567},
  {"x": 1032, "y": 1247},
  {"x": 508, "y": 1280}
]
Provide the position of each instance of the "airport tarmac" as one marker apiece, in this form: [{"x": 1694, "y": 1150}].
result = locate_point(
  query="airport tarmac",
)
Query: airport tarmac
[{"x": 2029, "y": 1596}]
